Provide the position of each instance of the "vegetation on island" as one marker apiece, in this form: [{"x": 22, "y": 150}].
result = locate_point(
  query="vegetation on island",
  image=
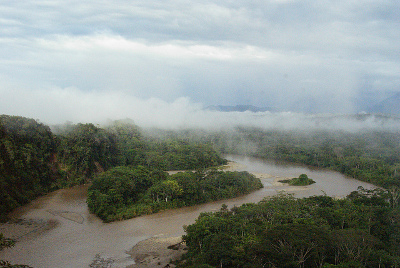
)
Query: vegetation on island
[
  {"x": 371, "y": 155},
  {"x": 126, "y": 192},
  {"x": 35, "y": 159},
  {"x": 361, "y": 230},
  {"x": 127, "y": 165},
  {"x": 302, "y": 180}
]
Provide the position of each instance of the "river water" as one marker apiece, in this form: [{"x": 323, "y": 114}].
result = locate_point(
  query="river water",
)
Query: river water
[{"x": 57, "y": 230}]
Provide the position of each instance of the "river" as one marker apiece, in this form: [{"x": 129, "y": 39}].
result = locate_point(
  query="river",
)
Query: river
[{"x": 57, "y": 230}]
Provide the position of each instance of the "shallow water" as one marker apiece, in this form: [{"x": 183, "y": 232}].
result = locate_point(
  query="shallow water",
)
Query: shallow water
[{"x": 65, "y": 234}]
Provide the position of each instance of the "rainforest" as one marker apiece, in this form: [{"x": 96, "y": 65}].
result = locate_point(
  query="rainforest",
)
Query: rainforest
[{"x": 128, "y": 170}]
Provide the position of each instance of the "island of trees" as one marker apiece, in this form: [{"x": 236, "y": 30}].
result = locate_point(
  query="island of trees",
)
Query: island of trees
[
  {"x": 125, "y": 192},
  {"x": 35, "y": 160},
  {"x": 302, "y": 180},
  {"x": 126, "y": 166}
]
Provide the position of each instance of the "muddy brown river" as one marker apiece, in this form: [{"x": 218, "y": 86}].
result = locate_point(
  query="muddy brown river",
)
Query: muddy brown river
[{"x": 57, "y": 230}]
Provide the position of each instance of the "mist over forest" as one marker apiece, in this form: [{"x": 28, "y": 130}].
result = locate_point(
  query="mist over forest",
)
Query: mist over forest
[
  {"x": 116, "y": 94},
  {"x": 126, "y": 165}
]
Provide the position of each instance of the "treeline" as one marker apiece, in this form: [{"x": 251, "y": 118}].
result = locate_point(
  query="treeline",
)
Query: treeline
[
  {"x": 368, "y": 155},
  {"x": 371, "y": 156},
  {"x": 126, "y": 192},
  {"x": 27, "y": 161},
  {"x": 35, "y": 159},
  {"x": 361, "y": 230},
  {"x": 87, "y": 149}
]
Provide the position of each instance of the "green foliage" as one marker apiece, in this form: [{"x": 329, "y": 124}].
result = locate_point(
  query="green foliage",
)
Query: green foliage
[
  {"x": 130, "y": 141},
  {"x": 283, "y": 231},
  {"x": 85, "y": 150},
  {"x": 117, "y": 188},
  {"x": 27, "y": 161},
  {"x": 126, "y": 192},
  {"x": 368, "y": 155},
  {"x": 134, "y": 148},
  {"x": 34, "y": 161},
  {"x": 179, "y": 155},
  {"x": 302, "y": 180}
]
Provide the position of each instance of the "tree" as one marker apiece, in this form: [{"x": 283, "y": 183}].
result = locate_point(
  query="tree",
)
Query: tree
[
  {"x": 352, "y": 245},
  {"x": 300, "y": 244},
  {"x": 27, "y": 161},
  {"x": 301, "y": 180},
  {"x": 167, "y": 190},
  {"x": 86, "y": 149}
]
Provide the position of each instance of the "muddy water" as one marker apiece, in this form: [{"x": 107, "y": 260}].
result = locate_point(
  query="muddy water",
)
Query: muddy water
[{"x": 58, "y": 230}]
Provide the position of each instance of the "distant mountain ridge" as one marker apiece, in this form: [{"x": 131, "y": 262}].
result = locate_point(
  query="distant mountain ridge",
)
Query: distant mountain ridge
[
  {"x": 238, "y": 108},
  {"x": 388, "y": 106}
]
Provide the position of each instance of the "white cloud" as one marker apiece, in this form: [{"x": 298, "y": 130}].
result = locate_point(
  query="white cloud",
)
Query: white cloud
[
  {"x": 294, "y": 55},
  {"x": 59, "y": 105},
  {"x": 187, "y": 50}
]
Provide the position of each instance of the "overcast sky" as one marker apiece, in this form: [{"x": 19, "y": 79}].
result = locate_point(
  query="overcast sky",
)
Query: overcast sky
[{"x": 85, "y": 60}]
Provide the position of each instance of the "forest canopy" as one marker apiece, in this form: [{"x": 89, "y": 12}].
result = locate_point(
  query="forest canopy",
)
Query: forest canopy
[
  {"x": 126, "y": 192},
  {"x": 361, "y": 230},
  {"x": 369, "y": 155},
  {"x": 127, "y": 165},
  {"x": 35, "y": 160},
  {"x": 27, "y": 161}
]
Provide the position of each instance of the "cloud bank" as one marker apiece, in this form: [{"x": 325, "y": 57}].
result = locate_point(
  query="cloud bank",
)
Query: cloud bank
[
  {"x": 86, "y": 61},
  {"x": 57, "y": 105}
]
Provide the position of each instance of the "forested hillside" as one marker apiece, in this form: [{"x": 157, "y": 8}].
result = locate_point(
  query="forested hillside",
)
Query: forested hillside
[
  {"x": 127, "y": 165},
  {"x": 83, "y": 151},
  {"x": 370, "y": 155},
  {"x": 34, "y": 160},
  {"x": 361, "y": 230},
  {"x": 27, "y": 161}
]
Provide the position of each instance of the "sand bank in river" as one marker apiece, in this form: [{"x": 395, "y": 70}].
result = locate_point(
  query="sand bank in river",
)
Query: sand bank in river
[
  {"x": 18, "y": 229},
  {"x": 157, "y": 251},
  {"x": 277, "y": 184},
  {"x": 66, "y": 211},
  {"x": 233, "y": 166}
]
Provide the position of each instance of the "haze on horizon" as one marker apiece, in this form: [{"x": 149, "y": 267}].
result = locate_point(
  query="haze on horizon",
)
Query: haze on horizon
[{"x": 165, "y": 61}]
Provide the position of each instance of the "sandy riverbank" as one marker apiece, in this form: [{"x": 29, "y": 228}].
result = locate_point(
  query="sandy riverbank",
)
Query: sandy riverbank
[
  {"x": 65, "y": 211},
  {"x": 18, "y": 229},
  {"x": 157, "y": 251}
]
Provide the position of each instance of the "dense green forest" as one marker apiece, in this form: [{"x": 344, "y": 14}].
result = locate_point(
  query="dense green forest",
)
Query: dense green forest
[
  {"x": 126, "y": 166},
  {"x": 361, "y": 230},
  {"x": 27, "y": 161},
  {"x": 370, "y": 155},
  {"x": 35, "y": 159},
  {"x": 87, "y": 149},
  {"x": 125, "y": 192}
]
